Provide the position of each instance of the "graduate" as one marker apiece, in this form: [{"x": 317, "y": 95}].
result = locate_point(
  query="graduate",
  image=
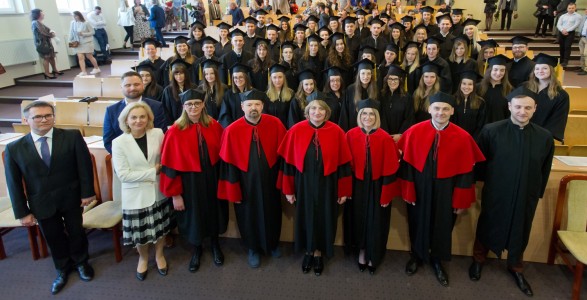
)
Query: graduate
[
  {"x": 459, "y": 61},
  {"x": 248, "y": 176},
  {"x": 273, "y": 44},
  {"x": 230, "y": 109},
  {"x": 334, "y": 88},
  {"x": 375, "y": 162},
  {"x": 197, "y": 36},
  {"x": 397, "y": 107},
  {"x": 150, "y": 47},
  {"x": 411, "y": 64},
  {"x": 236, "y": 55},
  {"x": 519, "y": 158},
  {"x": 364, "y": 87},
  {"x": 390, "y": 57},
  {"x": 521, "y": 67},
  {"x": 428, "y": 85},
  {"x": 180, "y": 82},
  {"x": 288, "y": 50},
  {"x": 469, "y": 106},
  {"x": 207, "y": 54},
  {"x": 428, "y": 20},
  {"x": 279, "y": 94},
  {"x": 189, "y": 159},
  {"x": 260, "y": 64},
  {"x": 181, "y": 51},
  {"x": 152, "y": 89},
  {"x": 212, "y": 87},
  {"x": 306, "y": 87},
  {"x": 444, "y": 23},
  {"x": 457, "y": 21},
  {"x": 311, "y": 58},
  {"x": 316, "y": 176},
  {"x": 438, "y": 183},
  {"x": 339, "y": 56},
  {"x": 433, "y": 55},
  {"x": 352, "y": 40},
  {"x": 223, "y": 46},
  {"x": 251, "y": 34},
  {"x": 494, "y": 87},
  {"x": 471, "y": 31},
  {"x": 376, "y": 39},
  {"x": 362, "y": 30}
]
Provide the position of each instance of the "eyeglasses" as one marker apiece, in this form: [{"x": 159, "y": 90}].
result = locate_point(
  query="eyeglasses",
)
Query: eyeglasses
[
  {"x": 393, "y": 79},
  {"x": 193, "y": 104},
  {"x": 48, "y": 117}
]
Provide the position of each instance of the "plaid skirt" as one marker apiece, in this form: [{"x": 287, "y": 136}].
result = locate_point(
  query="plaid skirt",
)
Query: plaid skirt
[{"x": 146, "y": 225}]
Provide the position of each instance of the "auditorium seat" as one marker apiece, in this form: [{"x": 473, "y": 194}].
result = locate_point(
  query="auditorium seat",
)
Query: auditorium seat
[
  {"x": 578, "y": 150},
  {"x": 71, "y": 113},
  {"x": 578, "y": 99},
  {"x": 97, "y": 111},
  {"x": 84, "y": 87},
  {"x": 21, "y": 128},
  {"x": 111, "y": 87},
  {"x": 562, "y": 150},
  {"x": 121, "y": 66},
  {"x": 575, "y": 130},
  {"x": 92, "y": 130}
]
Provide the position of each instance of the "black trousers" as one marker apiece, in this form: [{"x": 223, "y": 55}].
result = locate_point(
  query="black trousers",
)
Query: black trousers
[
  {"x": 129, "y": 34},
  {"x": 543, "y": 21},
  {"x": 66, "y": 238},
  {"x": 506, "y": 14},
  {"x": 566, "y": 41}
]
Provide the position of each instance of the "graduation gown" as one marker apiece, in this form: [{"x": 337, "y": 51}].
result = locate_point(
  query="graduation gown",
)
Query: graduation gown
[
  {"x": 519, "y": 72},
  {"x": 248, "y": 177},
  {"x": 515, "y": 175},
  {"x": 346, "y": 74},
  {"x": 260, "y": 79},
  {"x": 445, "y": 75},
  {"x": 396, "y": 112},
  {"x": 432, "y": 29},
  {"x": 198, "y": 66},
  {"x": 314, "y": 63},
  {"x": 316, "y": 169},
  {"x": 378, "y": 44},
  {"x": 413, "y": 79},
  {"x": 436, "y": 177},
  {"x": 445, "y": 48},
  {"x": 496, "y": 105},
  {"x": 552, "y": 114},
  {"x": 166, "y": 70},
  {"x": 229, "y": 59},
  {"x": 275, "y": 51},
  {"x": 362, "y": 33},
  {"x": 156, "y": 94},
  {"x": 189, "y": 158},
  {"x": 290, "y": 75},
  {"x": 157, "y": 64},
  {"x": 375, "y": 162},
  {"x": 279, "y": 109},
  {"x": 353, "y": 44},
  {"x": 348, "y": 111},
  {"x": 335, "y": 104},
  {"x": 230, "y": 109},
  {"x": 295, "y": 114},
  {"x": 212, "y": 108},
  {"x": 471, "y": 120},
  {"x": 196, "y": 47},
  {"x": 249, "y": 42},
  {"x": 171, "y": 106},
  {"x": 456, "y": 68},
  {"x": 457, "y": 29},
  {"x": 220, "y": 49}
]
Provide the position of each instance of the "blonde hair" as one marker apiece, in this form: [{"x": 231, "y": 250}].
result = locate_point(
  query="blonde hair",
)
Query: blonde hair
[
  {"x": 126, "y": 111},
  {"x": 184, "y": 121},
  {"x": 286, "y": 93},
  {"x": 377, "y": 119},
  {"x": 554, "y": 86},
  {"x": 421, "y": 99},
  {"x": 320, "y": 103},
  {"x": 415, "y": 64}
]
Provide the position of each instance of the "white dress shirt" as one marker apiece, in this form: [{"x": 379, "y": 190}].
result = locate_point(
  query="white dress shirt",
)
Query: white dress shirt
[
  {"x": 36, "y": 138},
  {"x": 97, "y": 21}
]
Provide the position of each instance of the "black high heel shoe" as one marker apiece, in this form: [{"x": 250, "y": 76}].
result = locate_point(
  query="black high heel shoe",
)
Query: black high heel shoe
[
  {"x": 362, "y": 267},
  {"x": 371, "y": 269},
  {"x": 49, "y": 77},
  {"x": 307, "y": 263},
  {"x": 318, "y": 265},
  {"x": 58, "y": 73}
]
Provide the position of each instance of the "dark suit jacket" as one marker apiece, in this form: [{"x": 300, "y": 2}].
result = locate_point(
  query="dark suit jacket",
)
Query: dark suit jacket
[
  {"x": 112, "y": 130},
  {"x": 48, "y": 190},
  {"x": 157, "y": 17}
]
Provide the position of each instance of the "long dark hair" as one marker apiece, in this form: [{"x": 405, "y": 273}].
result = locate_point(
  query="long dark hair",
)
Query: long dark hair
[
  {"x": 175, "y": 86},
  {"x": 35, "y": 14}
]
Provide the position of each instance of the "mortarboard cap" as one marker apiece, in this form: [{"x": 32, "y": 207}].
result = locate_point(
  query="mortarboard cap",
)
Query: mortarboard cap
[
  {"x": 443, "y": 16},
  {"x": 259, "y": 41},
  {"x": 288, "y": 44},
  {"x": 335, "y": 37},
  {"x": 325, "y": 28},
  {"x": 272, "y": 27},
  {"x": 236, "y": 32},
  {"x": 411, "y": 45},
  {"x": 498, "y": 60},
  {"x": 278, "y": 68},
  {"x": 312, "y": 18},
  {"x": 434, "y": 40},
  {"x": 368, "y": 49},
  {"x": 407, "y": 19},
  {"x": 192, "y": 94},
  {"x": 349, "y": 19},
  {"x": 314, "y": 38},
  {"x": 430, "y": 67},
  {"x": 180, "y": 63},
  {"x": 333, "y": 18},
  {"x": 392, "y": 47},
  {"x": 224, "y": 25},
  {"x": 542, "y": 58},
  {"x": 316, "y": 95},
  {"x": 284, "y": 19},
  {"x": 145, "y": 66},
  {"x": 209, "y": 40},
  {"x": 300, "y": 27},
  {"x": 306, "y": 74},
  {"x": 398, "y": 25},
  {"x": 260, "y": 12},
  {"x": 151, "y": 41},
  {"x": 361, "y": 12},
  {"x": 469, "y": 22},
  {"x": 198, "y": 24},
  {"x": 210, "y": 63},
  {"x": 396, "y": 71},
  {"x": 384, "y": 15},
  {"x": 250, "y": 20},
  {"x": 334, "y": 71},
  {"x": 421, "y": 26},
  {"x": 368, "y": 103},
  {"x": 376, "y": 21},
  {"x": 488, "y": 43},
  {"x": 457, "y": 11},
  {"x": 470, "y": 74},
  {"x": 180, "y": 39},
  {"x": 518, "y": 39},
  {"x": 239, "y": 68},
  {"x": 364, "y": 64},
  {"x": 428, "y": 9}
]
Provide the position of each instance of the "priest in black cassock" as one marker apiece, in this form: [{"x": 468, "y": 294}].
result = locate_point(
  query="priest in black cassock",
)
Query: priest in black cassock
[
  {"x": 519, "y": 158},
  {"x": 438, "y": 183},
  {"x": 248, "y": 176},
  {"x": 236, "y": 55},
  {"x": 521, "y": 66}
]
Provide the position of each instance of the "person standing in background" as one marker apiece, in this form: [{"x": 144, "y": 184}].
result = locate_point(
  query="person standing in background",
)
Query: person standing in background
[
  {"x": 545, "y": 14},
  {"x": 81, "y": 32},
  {"x": 141, "y": 30},
  {"x": 490, "y": 9},
  {"x": 236, "y": 13},
  {"x": 566, "y": 25},
  {"x": 43, "y": 35},
  {"x": 96, "y": 19},
  {"x": 126, "y": 19},
  {"x": 507, "y": 7},
  {"x": 157, "y": 19},
  {"x": 583, "y": 45}
]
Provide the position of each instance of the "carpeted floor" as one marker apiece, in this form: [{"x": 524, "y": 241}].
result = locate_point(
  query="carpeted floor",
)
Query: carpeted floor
[{"x": 23, "y": 278}]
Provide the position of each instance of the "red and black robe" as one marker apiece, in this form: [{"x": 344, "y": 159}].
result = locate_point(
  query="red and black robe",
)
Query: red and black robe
[
  {"x": 316, "y": 169},
  {"x": 436, "y": 176},
  {"x": 248, "y": 177}
]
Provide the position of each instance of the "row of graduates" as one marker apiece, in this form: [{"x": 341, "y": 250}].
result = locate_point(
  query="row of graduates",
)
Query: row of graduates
[{"x": 479, "y": 99}]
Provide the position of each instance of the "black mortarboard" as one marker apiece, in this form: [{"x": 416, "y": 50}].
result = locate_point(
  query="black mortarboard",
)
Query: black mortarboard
[
  {"x": 521, "y": 92},
  {"x": 434, "y": 40},
  {"x": 368, "y": 49},
  {"x": 151, "y": 41},
  {"x": 396, "y": 70},
  {"x": 314, "y": 38},
  {"x": 333, "y": 18},
  {"x": 145, "y": 66},
  {"x": 361, "y": 12},
  {"x": 180, "y": 62},
  {"x": 253, "y": 94},
  {"x": 237, "y": 32},
  {"x": 192, "y": 94},
  {"x": 443, "y": 16},
  {"x": 240, "y": 68},
  {"x": 430, "y": 67},
  {"x": 260, "y": 12},
  {"x": 300, "y": 27},
  {"x": 180, "y": 39},
  {"x": 368, "y": 103},
  {"x": 288, "y": 44},
  {"x": 209, "y": 40},
  {"x": 518, "y": 39},
  {"x": 349, "y": 19},
  {"x": 198, "y": 24},
  {"x": 316, "y": 95},
  {"x": 411, "y": 45},
  {"x": 250, "y": 20},
  {"x": 421, "y": 26},
  {"x": 407, "y": 19},
  {"x": 224, "y": 25},
  {"x": 384, "y": 15},
  {"x": 334, "y": 71},
  {"x": 398, "y": 25},
  {"x": 312, "y": 18},
  {"x": 457, "y": 11},
  {"x": 364, "y": 64},
  {"x": 284, "y": 19},
  {"x": 306, "y": 74},
  {"x": 392, "y": 47},
  {"x": 442, "y": 97},
  {"x": 278, "y": 68},
  {"x": 470, "y": 74},
  {"x": 325, "y": 28},
  {"x": 498, "y": 60},
  {"x": 335, "y": 37},
  {"x": 272, "y": 27},
  {"x": 376, "y": 21},
  {"x": 463, "y": 38},
  {"x": 260, "y": 41},
  {"x": 210, "y": 63},
  {"x": 542, "y": 58},
  {"x": 488, "y": 43},
  {"x": 428, "y": 9},
  {"x": 473, "y": 22}
]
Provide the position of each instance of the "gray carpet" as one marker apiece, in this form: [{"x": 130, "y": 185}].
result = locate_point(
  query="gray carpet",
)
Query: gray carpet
[{"x": 23, "y": 278}]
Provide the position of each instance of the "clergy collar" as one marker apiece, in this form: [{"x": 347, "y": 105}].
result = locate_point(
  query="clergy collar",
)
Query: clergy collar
[
  {"x": 36, "y": 137},
  {"x": 518, "y": 126},
  {"x": 436, "y": 127},
  {"x": 316, "y": 127}
]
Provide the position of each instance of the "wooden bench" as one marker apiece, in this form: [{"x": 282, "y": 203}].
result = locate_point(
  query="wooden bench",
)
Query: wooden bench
[
  {"x": 575, "y": 132},
  {"x": 578, "y": 99}
]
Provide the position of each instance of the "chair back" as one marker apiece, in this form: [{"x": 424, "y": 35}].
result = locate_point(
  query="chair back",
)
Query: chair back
[
  {"x": 562, "y": 150},
  {"x": 96, "y": 180},
  {"x": 108, "y": 160},
  {"x": 572, "y": 199},
  {"x": 578, "y": 150}
]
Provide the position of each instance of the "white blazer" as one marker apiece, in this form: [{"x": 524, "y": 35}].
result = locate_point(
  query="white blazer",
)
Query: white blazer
[{"x": 140, "y": 182}]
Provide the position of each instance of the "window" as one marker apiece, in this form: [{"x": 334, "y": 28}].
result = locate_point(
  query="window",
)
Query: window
[
  {"x": 11, "y": 7},
  {"x": 68, "y": 6}
]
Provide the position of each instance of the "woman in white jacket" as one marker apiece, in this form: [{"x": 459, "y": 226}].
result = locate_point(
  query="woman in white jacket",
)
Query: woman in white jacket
[
  {"x": 82, "y": 32},
  {"x": 136, "y": 159},
  {"x": 126, "y": 19}
]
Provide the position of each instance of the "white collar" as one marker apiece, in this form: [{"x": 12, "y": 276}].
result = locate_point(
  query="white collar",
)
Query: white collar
[{"x": 36, "y": 137}]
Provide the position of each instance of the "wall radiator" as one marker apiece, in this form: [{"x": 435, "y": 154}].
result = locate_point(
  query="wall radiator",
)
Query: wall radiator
[{"x": 17, "y": 52}]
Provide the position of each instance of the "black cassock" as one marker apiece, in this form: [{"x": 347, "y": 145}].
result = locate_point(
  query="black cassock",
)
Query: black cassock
[
  {"x": 396, "y": 112},
  {"x": 552, "y": 114},
  {"x": 496, "y": 105},
  {"x": 515, "y": 175},
  {"x": 230, "y": 59},
  {"x": 230, "y": 110},
  {"x": 471, "y": 120},
  {"x": 279, "y": 109},
  {"x": 171, "y": 106},
  {"x": 456, "y": 68},
  {"x": 212, "y": 108},
  {"x": 519, "y": 72}
]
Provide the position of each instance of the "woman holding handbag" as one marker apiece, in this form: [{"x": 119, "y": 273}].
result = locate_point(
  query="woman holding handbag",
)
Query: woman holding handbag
[
  {"x": 43, "y": 44},
  {"x": 544, "y": 13},
  {"x": 81, "y": 39}
]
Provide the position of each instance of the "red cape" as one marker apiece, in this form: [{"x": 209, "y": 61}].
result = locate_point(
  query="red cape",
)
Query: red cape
[
  {"x": 236, "y": 141},
  {"x": 457, "y": 151}
]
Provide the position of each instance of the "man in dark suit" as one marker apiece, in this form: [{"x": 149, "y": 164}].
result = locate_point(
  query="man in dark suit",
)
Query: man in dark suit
[
  {"x": 157, "y": 21},
  {"x": 132, "y": 89},
  {"x": 50, "y": 179}
]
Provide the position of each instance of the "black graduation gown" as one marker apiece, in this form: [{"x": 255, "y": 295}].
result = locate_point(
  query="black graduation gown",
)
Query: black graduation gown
[
  {"x": 552, "y": 114},
  {"x": 296, "y": 113},
  {"x": 380, "y": 44},
  {"x": 260, "y": 79},
  {"x": 515, "y": 174},
  {"x": 314, "y": 63},
  {"x": 157, "y": 64},
  {"x": 496, "y": 105},
  {"x": 249, "y": 42},
  {"x": 197, "y": 65},
  {"x": 220, "y": 49},
  {"x": 474, "y": 50},
  {"x": 432, "y": 29},
  {"x": 279, "y": 109},
  {"x": 353, "y": 44},
  {"x": 346, "y": 74},
  {"x": 457, "y": 29},
  {"x": 290, "y": 75},
  {"x": 171, "y": 107},
  {"x": 211, "y": 107},
  {"x": 229, "y": 59},
  {"x": 348, "y": 111},
  {"x": 275, "y": 51},
  {"x": 456, "y": 68},
  {"x": 230, "y": 110},
  {"x": 260, "y": 31},
  {"x": 445, "y": 75},
  {"x": 471, "y": 120},
  {"x": 519, "y": 72},
  {"x": 421, "y": 114},
  {"x": 445, "y": 48},
  {"x": 413, "y": 80},
  {"x": 258, "y": 215},
  {"x": 396, "y": 112},
  {"x": 196, "y": 47},
  {"x": 362, "y": 33},
  {"x": 335, "y": 104}
]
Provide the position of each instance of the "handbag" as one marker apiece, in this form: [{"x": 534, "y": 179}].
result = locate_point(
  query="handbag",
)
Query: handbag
[
  {"x": 73, "y": 44},
  {"x": 44, "y": 48},
  {"x": 537, "y": 13}
]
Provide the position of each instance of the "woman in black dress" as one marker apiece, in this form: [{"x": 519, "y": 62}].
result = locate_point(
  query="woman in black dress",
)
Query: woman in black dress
[
  {"x": 397, "y": 107},
  {"x": 279, "y": 94},
  {"x": 180, "y": 82},
  {"x": 339, "y": 56},
  {"x": 223, "y": 46},
  {"x": 260, "y": 64},
  {"x": 390, "y": 58},
  {"x": 212, "y": 87},
  {"x": 470, "y": 108},
  {"x": 44, "y": 47},
  {"x": 398, "y": 38},
  {"x": 334, "y": 88},
  {"x": 287, "y": 59},
  {"x": 493, "y": 88},
  {"x": 490, "y": 9},
  {"x": 365, "y": 86}
]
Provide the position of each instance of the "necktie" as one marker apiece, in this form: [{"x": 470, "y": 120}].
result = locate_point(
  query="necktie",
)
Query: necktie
[{"x": 45, "y": 155}]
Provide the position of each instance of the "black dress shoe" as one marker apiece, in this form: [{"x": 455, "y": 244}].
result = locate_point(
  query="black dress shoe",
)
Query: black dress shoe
[
  {"x": 141, "y": 276},
  {"x": 59, "y": 282},
  {"x": 440, "y": 273},
  {"x": 371, "y": 270},
  {"x": 362, "y": 267},
  {"x": 58, "y": 73},
  {"x": 217, "y": 255},
  {"x": 523, "y": 285},
  {"x": 412, "y": 265},
  {"x": 475, "y": 271},
  {"x": 164, "y": 271},
  {"x": 86, "y": 272},
  {"x": 318, "y": 265},
  {"x": 195, "y": 261},
  {"x": 307, "y": 263}
]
